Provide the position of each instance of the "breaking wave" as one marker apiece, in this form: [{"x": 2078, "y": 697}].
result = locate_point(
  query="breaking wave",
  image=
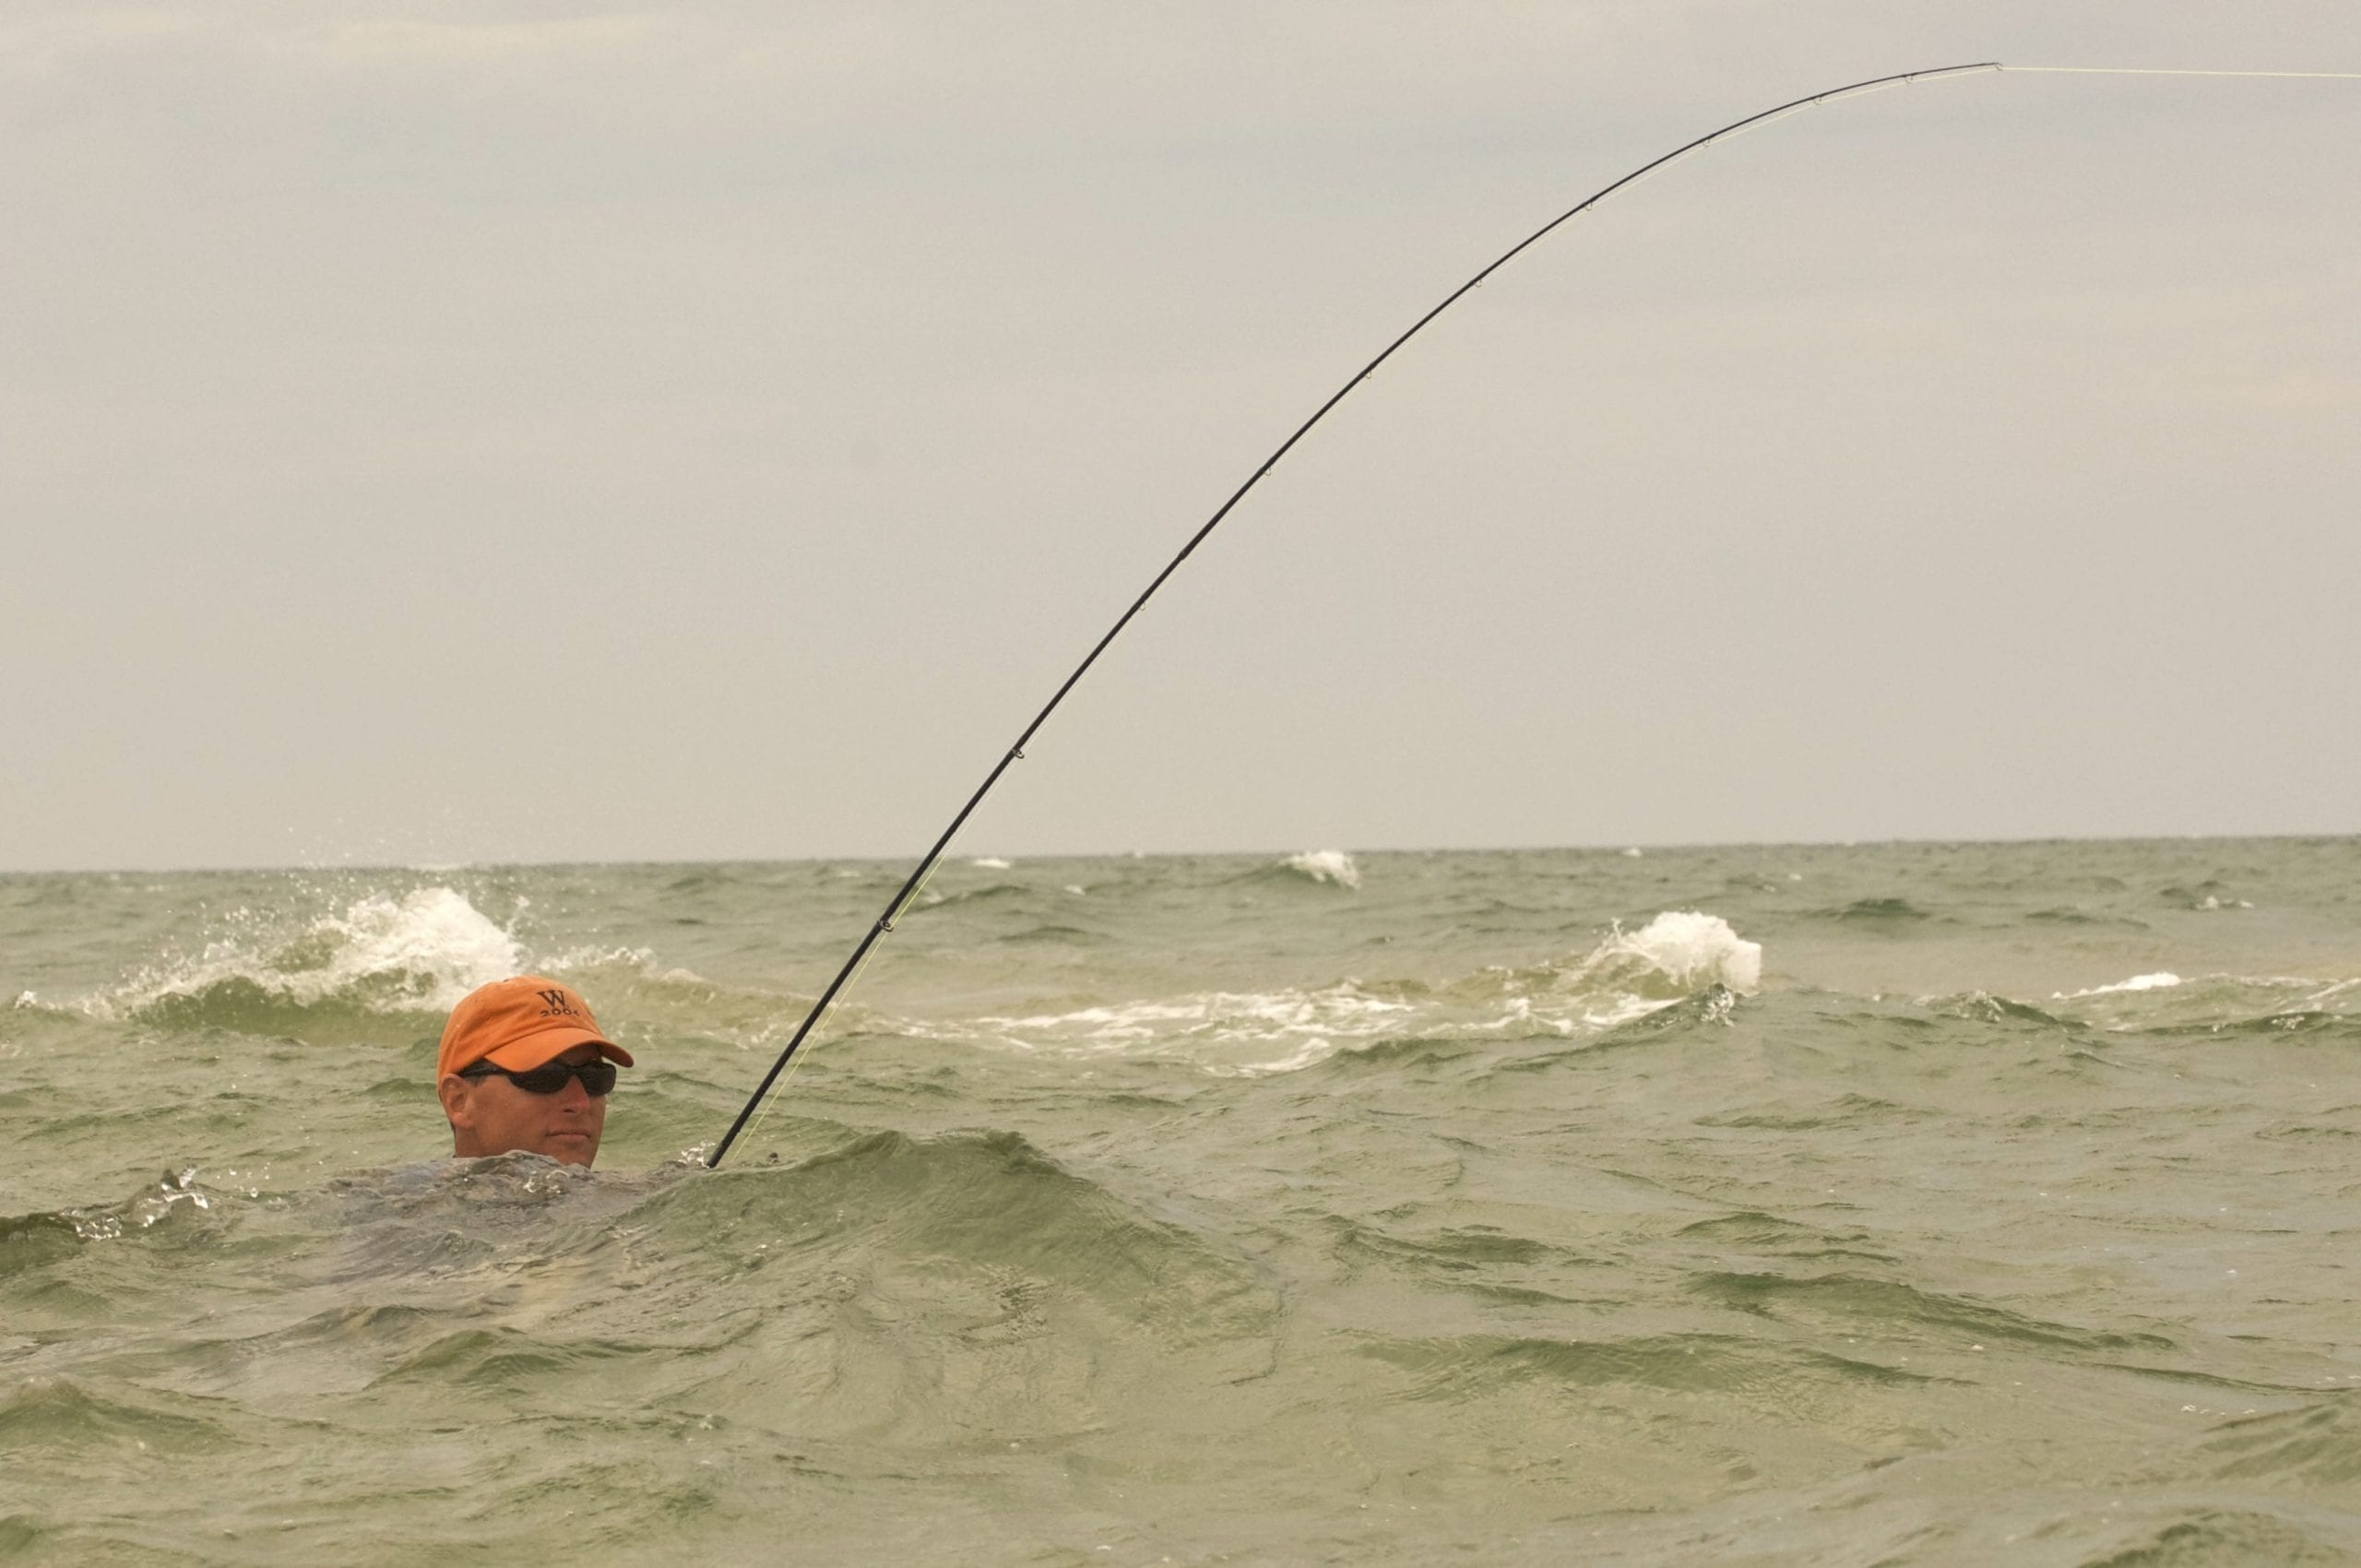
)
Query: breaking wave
[
  {"x": 2211, "y": 1005},
  {"x": 418, "y": 953},
  {"x": 1333, "y": 867},
  {"x": 2158, "y": 982},
  {"x": 1676, "y": 956}
]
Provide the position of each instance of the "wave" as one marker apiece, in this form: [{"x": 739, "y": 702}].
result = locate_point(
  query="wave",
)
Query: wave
[
  {"x": 2197, "y": 1533},
  {"x": 1243, "y": 1033},
  {"x": 2162, "y": 1002},
  {"x": 2205, "y": 897},
  {"x": 1676, "y": 954},
  {"x": 1681, "y": 959},
  {"x": 1679, "y": 955},
  {"x": 1328, "y": 868},
  {"x": 1884, "y": 1307},
  {"x": 1716, "y": 1366},
  {"x": 993, "y": 1221},
  {"x": 876, "y": 1286},
  {"x": 2068, "y": 914},
  {"x": 34, "y": 1240},
  {"x": 1985, "y": 1007},
  {"x": 418, "y": 953},
  {"x": 387, "y": 966},
  {"x": 1877, "y": 913},
  {"x": 2169, "y": 1003},
  {"x": 2158, "y": 982},
  {"x": 1053, "y": 934},
  {"x": 2315, "y": 1443},
  {"x": 176, "y": 1196},
  {"x": 65, "y": 1414},
  {"x": 173, "y": 1196},
  {"x": 992, "y": 892},
  {"x": 1754, "y": 1232}
]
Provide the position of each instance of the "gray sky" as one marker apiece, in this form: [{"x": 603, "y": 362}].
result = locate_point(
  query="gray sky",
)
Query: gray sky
[{"x": 463, "y": 432}]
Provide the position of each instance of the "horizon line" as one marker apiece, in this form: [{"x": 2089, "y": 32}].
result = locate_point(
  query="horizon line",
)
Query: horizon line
[{"x": 1617, "y": 847}]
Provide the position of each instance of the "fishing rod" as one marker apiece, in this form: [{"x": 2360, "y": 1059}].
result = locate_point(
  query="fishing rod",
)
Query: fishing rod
[{"x": 900, "y": 904}]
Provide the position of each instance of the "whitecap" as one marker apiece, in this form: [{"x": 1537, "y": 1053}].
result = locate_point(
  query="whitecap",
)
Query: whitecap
[
  {"x": 2161, "y": 980},
  {"x": 1677, "y": 955},
  {"x": 1687, "y": 948},
  {"x": 1332, "y": 866},
  {"x": 1229, "y": 1033},
  {"x": 422, "y": 951}
]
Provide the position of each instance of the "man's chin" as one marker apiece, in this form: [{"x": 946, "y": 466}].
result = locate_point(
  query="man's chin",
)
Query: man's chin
[{"x": 571, "y": 1149}]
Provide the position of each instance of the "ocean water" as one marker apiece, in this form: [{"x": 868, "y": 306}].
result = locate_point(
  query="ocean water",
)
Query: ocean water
[{"x": 1877, "y": 1204}]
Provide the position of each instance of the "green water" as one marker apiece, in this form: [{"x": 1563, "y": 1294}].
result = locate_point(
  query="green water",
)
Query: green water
[{"x": 1903, "y": 1203}]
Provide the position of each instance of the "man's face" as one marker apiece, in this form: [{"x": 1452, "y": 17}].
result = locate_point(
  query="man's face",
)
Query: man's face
[{"x": 491, "y": 1115}]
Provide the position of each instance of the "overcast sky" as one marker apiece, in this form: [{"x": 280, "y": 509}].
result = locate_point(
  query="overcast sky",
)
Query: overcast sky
[{"x": 477, "y": 432}]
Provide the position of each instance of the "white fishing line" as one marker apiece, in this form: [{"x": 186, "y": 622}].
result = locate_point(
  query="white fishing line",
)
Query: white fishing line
[{"x": 2167, "y": 71}]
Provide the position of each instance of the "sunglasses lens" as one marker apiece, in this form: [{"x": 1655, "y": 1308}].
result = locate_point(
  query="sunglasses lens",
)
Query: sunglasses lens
[{"x": 598, "y": 1077}]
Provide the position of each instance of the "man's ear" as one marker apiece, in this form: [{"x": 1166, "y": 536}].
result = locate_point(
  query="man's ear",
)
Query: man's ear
[{"x": 453, "y": 1092}]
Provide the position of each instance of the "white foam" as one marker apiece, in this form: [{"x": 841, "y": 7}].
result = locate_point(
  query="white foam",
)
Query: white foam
[
  {"x": 1327, "y": 865},
  {"x": 430, "y": 942},
  {"x": 2158, "y": 982},
  {"x": 431, "y": 930},
  {"x": 1235, "y": 1033},
  {"x": 989, "y": 862},
  {"x": 2212, "y": 1001},
  {"x": 1678, "y": 954},
  {"x": 1688, "y": 949}
]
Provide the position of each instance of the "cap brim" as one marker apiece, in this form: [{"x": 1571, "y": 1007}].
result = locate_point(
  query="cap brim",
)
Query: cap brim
[{"x": 524, "y": 1055}]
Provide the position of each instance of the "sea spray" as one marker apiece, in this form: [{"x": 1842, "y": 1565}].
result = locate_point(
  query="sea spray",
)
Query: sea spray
[{"x": 419, "y": 951}]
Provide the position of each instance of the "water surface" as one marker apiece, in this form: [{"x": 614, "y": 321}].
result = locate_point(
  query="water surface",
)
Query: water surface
[{"x": 1913, "y": 1203}]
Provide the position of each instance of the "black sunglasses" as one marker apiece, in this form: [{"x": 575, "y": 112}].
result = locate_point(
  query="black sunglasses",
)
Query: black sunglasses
[{"x": 598, "y": 1077}]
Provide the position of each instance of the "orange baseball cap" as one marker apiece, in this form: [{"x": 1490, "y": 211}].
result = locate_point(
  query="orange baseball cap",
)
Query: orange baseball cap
[{"x": 518, "y": 1024}]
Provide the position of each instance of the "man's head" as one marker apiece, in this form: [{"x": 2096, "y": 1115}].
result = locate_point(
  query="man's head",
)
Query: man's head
[{"x": 523, "y": 1066}]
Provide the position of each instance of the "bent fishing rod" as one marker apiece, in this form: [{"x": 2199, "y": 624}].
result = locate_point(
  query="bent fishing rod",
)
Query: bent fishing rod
[{"x": 900, "y": 903}]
